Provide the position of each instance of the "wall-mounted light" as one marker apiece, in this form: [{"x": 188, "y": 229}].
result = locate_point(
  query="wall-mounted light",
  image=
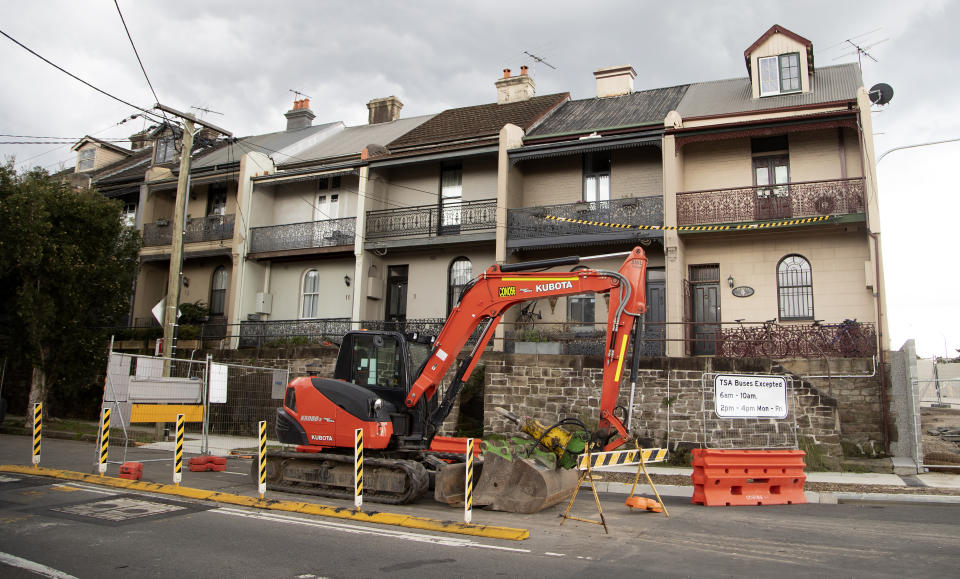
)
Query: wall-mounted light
[
  {"x": 186, "y": 281},
  {"x": 730, "y": 281},
  {"x": 346, "y": 280}
]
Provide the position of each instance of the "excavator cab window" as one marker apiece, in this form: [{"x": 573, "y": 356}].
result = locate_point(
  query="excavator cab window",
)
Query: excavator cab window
[
  {"x": 377, "y": 360},
  {"x": 290, "y": 400}
]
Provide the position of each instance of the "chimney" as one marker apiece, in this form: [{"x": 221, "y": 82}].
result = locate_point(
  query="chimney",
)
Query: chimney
[
  {"x": 614, "y": 80},
  {"x": 139, "y": 140},
  {"x": 300, "y": 116},
  {"x": 514, "y": 89},
  {"x": 384, "y": 110}
]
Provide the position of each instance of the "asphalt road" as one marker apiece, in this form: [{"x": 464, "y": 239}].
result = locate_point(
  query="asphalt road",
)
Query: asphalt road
[{"x": 84, "y": 530}]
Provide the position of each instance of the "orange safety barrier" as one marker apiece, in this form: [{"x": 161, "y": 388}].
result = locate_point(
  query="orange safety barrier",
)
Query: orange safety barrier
[
  {"x": 205, "y": 463},
  {"x": 131, "y": 470},
  {"x": 748, "y": 477}
]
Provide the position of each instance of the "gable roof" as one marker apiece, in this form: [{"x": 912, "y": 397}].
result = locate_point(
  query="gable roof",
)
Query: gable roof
[
  {"x": 277, "y": 144},
  {"x": 469, "y": 126},
  {"x": 88, "y": 139},
  {"x": 352, "y": 140},
  {"x": 831, "y": 84},
  {"x": 638, "y": 109},
  {"x": 777, "y": 29}
]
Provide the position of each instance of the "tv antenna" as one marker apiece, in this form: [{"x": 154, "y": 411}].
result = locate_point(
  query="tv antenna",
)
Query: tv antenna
[
  {"x": 539, "y": 59},
  {"x": 205, "y": 110},
  {"x": 861, "y": 49},
  {"x": 298, "y": 93}
]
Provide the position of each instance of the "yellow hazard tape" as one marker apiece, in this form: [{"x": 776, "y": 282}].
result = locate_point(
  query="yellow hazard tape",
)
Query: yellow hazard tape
[
  {"x": 407, "y": 521},
  {"x": 739, "y": 227}
]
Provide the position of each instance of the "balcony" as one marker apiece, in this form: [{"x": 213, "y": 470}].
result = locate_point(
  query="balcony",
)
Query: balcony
[
  {"x": 303, "y": 236},
  {"x": 211, "y": 228},
  {"x": 791, "y": 200},
  {"x": 431, "y": 221},
  {"x": 529, "y": 227}
]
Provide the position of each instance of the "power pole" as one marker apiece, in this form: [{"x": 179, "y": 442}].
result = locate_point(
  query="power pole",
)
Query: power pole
[{"x": 175, "y": 276}]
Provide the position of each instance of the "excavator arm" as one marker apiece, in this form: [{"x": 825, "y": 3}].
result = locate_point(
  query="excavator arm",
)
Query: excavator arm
[{"x": 502, "y": 286}]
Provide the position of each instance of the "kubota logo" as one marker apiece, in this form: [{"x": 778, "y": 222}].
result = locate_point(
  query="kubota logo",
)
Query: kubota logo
[
  {"x": 508, "y": 291},
  {"x": 547, "y": 287}
]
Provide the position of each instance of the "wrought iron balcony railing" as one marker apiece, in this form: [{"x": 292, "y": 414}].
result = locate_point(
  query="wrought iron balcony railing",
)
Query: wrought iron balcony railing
[
  {"x": 308, "y": 235},
  {"x": 210, "y": 228},
  {"x": 433, "y": 220},
  {"x": 530, "y": 222},
  {"x": 790, "y": 200}
]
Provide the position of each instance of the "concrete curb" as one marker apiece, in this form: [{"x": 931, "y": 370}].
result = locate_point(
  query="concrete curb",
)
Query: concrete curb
[{"x": 410, "y": 522}]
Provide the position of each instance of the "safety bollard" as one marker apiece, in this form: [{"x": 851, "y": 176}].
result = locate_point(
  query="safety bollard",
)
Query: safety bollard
[
  {"x": 178, "y": 453},
  {"x": 104, "y": 441},
  {"x": 468, "y": 485},
  {"x": 37, "y": 427},
  {"x": 262, "y": 459},
  {"x": 358, "y": 469}
]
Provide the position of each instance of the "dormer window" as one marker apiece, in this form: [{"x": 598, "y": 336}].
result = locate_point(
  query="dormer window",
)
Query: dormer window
[
  {"x": 779, "y": 74},
  {"x": 85, "y": 159},
  {"x": 164, "y": 151}
]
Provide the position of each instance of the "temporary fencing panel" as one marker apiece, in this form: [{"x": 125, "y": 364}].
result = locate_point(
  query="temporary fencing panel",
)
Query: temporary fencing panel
[
  {"x": 755, "y": 411},
  {"x": 221, "y": 403}
]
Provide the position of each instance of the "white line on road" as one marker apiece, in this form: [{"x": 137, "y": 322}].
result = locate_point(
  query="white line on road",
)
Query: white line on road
[
  {"x": 549, "y": 554},
  {"x": 442, "y": 541},
  {"x": 33, "y": 567}
]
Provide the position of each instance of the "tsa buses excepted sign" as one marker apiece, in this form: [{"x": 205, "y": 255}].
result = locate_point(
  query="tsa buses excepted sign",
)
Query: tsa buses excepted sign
[{"x": 739, "y": 396}]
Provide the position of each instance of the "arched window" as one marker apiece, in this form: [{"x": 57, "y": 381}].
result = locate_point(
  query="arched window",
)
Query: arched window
[
  {"x": 795, "y": 288},
  {"x": 310, "y": 295},
  {"x": 218, "y": 291},
  {"x": 460, "y": 274}
]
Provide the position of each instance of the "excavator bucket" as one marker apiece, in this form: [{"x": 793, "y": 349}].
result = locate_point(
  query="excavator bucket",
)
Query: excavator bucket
[{"x": 514, "y": 478}]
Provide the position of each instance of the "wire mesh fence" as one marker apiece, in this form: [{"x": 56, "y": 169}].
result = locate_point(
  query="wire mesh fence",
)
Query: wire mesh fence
[{"x": 749, "y": 411}]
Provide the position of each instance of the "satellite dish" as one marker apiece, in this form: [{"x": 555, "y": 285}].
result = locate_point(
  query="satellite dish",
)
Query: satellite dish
[{"x": 881, "y": 93}]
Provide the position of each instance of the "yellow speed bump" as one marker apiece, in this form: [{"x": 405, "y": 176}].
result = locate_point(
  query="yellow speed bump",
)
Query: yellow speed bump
[{"x": 408, "y": 521}]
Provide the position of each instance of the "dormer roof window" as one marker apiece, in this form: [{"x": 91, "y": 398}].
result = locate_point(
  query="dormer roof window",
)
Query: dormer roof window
[
  {"x": 779, "y": 62},
  {"x": 779, "y": 74}
]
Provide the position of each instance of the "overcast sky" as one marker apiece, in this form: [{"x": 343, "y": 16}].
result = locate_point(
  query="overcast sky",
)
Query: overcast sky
[{"x": 240, "y": 58}]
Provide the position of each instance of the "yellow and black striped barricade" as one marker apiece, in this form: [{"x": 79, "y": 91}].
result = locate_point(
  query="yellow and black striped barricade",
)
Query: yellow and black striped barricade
[
  {"x": 178, "y": 452},
  {"x": 37, "y": 428},
  {"x": 262, "y": 459},
  {"x": 468, "y": 485},
  {"x": 104, "y": 444},
  {"x": 612, "y": 458},
  {"x": 358, "y": 468}
]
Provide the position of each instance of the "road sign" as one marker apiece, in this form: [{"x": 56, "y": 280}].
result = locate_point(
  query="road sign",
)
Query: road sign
[{"x": 749, "y": 396}]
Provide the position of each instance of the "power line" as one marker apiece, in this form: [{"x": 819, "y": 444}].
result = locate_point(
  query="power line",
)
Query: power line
[
  {"x": 72, "y": 139},
  {"x": 136, "y": 52},
  {"x": 75, "y": 77}
]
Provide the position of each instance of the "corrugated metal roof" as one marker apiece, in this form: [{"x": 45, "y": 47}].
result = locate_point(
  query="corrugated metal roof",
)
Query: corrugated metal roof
[
  {"x": 636, "y": 109},
  {"x": 352, "y": 140},
  {"x": 477, "y": 121},
  {"x": 269, "y": 144},
  {"x": 829, "y": 84}
]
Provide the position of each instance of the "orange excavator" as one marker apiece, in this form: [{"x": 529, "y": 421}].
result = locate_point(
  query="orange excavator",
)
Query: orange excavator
[{"x": 386, "y": 383}]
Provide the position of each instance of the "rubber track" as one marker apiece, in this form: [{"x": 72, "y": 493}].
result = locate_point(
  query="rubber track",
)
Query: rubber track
[{"x": 417, "y": 479}]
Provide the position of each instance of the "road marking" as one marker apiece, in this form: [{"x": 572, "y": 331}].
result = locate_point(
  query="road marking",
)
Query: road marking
[
  {"x": 33, "y": 567},
  {"x": 549, "y": 554},
  {"x": 442, "y": 541}
]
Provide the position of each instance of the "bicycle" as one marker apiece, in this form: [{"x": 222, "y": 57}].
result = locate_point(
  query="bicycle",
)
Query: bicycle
[{"x": 846, "y": 340}]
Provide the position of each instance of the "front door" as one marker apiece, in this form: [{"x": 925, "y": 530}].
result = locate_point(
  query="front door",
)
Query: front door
[
  {"x": 396, "y": 313},
  {"x": 656, "y": 333},
  {"x": 705, "y": 307},
  {"x": 771, "y": 176}
]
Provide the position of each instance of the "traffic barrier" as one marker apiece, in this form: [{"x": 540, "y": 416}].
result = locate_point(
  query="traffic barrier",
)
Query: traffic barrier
[
  {"x": 358, "y": 469},
  {"x": 178, "y": 452},
  {"x": 262, "y": 459},
  {"x": 748, "y": 477},
  {"x": 468, "y": 484},
  {"x": 104, "y": 441},
  {"x": 207, "y": 463},
  {"x": 37, "y": 432},
  {"x": 131, "y": 470}
]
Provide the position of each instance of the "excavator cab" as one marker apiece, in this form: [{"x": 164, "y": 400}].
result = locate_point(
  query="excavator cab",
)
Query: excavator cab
[{"x": 386, "y": 363}]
